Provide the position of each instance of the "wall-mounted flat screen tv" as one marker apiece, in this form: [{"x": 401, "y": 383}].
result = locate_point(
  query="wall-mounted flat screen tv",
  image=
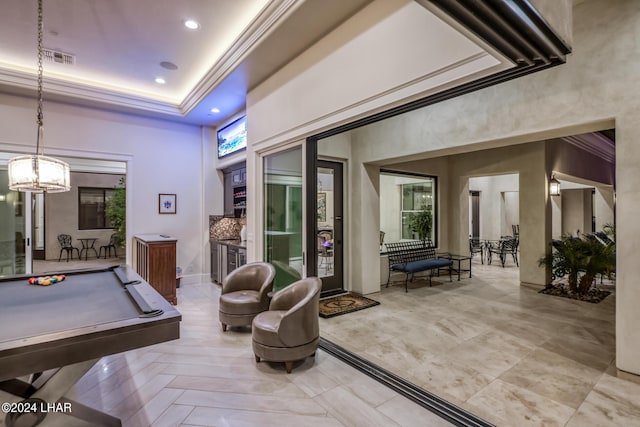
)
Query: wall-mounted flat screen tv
[{"x": 233, "y": 137}]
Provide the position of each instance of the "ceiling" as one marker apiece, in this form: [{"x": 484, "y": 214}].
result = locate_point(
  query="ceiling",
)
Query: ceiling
[{"x": 118, "y": 48}]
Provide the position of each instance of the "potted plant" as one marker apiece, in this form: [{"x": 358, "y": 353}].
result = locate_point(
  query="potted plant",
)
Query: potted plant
[
  {"x": 116, "y": 212},
  {"x": 422, "y": 223}
]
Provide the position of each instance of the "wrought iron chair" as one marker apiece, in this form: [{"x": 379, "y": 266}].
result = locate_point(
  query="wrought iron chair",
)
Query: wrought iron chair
[
  {"x": 108, "y": 247},
  {"x": 507, "y": 245},
  {"x": 476, "y": 246},
  {"x": 325, "y": 250},
  {"x": 66, "y": 246}
]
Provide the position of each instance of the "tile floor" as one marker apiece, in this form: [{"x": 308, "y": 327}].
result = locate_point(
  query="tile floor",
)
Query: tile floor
[
  {"x": 210, "y": 378},
  {"x": 503, "y": 352}
]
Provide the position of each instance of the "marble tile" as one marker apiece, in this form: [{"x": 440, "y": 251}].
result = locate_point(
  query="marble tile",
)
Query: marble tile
[
  {"x": 237, "y": 372},
  {"x": 153, "y": 409},
  {"x": 445, "y": 377},
  {"x": 586, "y": 352},
  {"x": 349, "y": 409},
  {"x": 612, "y": 402},
  {"x": 111, "y": 398},
  {"x": 553, "y": 376},
  {"x": 299, "y": 406},
  {"x": 110, "y": 371},
  {"x": 173, "y": 416},
  {"x": 261, "y": 387},
  {"x": 202, "y": 416},
  {"x": 314, "y": 381},
  {"x": 491, "y": 353},
  {"x": 604, "y": 336},
  {"x": 511, "y": 405},
  {"x": 126, "y": 408},
  {"x": 407, "y": 414},
  {"x": 454, "y": 339},
  {"x": 362, "y": 386}
]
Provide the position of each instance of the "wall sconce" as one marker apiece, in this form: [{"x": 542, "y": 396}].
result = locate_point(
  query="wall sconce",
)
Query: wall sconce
[
  {"x": 3, "y": 197},
  {"x": 554, "y": 186}
]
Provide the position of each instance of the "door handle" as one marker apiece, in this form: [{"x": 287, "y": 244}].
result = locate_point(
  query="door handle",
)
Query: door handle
[{"x": 338, "y": 218}]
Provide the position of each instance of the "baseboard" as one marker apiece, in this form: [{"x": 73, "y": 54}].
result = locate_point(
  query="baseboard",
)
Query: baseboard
[
  {"x": 534, "y": 286},
  {"x": 194, "y": 279}
]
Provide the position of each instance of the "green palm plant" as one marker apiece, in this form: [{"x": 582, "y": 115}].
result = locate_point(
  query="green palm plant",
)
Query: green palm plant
[
  {"x": 598, "y": 259},
  {"x": 571, "y": 256},
  {"x": 565, "y": 259}
]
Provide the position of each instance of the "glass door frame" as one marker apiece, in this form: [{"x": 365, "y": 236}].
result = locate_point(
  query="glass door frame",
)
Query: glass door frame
[
  {"x": 334, "y": 283},
  {"x": 258, "y": 217}
]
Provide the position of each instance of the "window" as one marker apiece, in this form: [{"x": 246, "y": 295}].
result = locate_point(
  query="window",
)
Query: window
[
  {"x": 91, "y": 208},
  {"x": 415, "y": 199},
  {"x": 405, "y": 196}
]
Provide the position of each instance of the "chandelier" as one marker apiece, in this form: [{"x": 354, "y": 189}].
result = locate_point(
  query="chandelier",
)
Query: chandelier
[{"x": 38, "y": 173}]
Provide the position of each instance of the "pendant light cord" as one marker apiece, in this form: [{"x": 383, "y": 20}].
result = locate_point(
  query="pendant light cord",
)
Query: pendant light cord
[{"x": 39, "y": 118}]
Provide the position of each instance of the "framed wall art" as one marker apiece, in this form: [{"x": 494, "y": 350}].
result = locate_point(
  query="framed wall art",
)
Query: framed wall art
[{"x": 167, "y": 203}]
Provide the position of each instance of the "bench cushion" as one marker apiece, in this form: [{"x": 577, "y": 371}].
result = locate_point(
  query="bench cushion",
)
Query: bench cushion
[{"x": 422, "y": 265}]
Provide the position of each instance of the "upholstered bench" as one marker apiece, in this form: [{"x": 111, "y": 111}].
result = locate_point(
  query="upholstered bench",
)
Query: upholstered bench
[{"x": 415, "y": 256}]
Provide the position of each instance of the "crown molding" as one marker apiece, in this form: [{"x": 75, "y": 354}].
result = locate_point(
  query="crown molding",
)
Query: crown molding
[
  {"x": 23, "y": 82},
  {"x": 63, "y": 90},
  {"x": 257, "y": 30}
]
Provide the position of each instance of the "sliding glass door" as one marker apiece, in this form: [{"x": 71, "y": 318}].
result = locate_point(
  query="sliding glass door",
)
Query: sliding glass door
[
  {"x": 15, "y": 221},
  {"x": 283, "y": 215}
]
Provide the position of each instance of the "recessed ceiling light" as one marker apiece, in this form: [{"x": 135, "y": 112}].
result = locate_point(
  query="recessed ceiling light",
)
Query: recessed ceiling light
[
  {"x": 215, "y": 110},
  {"x": 168, "y": 65},
  {"x": 191, "y": 24},
  {"x": 160, "y": 80}
]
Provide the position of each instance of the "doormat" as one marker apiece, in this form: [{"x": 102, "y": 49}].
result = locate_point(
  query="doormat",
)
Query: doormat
[{"x": 343, "y": 304}]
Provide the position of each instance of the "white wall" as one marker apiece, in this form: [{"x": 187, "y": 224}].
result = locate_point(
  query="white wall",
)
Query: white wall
[
  {"x": 390, "y": 202},
  {"x": 604, "y": 206},
  {"x": 493, "y": 222},
  {"x": 556, "y": 217},
  {"x": 161, "y": 157},
  {"x": 576, "y": 211},
  {"x": 368, "y": 63}
]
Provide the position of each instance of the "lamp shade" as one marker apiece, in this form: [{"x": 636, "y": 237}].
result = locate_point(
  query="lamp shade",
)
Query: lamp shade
[
  {"x": 38, "y": 174},
  {"x": 554, "y": 187}
]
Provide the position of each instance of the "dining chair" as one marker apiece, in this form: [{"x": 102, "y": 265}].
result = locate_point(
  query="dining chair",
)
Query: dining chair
[{"x": 65, "y": 241}]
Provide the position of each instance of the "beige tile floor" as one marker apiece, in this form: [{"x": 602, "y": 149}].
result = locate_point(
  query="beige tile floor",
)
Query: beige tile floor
[
  {"x": 503, "y": 352},
  {"x": 210, "y": 378}
]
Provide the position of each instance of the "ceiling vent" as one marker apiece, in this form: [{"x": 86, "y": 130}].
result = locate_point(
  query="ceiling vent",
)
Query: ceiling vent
[{"x": 58, "y": 57}]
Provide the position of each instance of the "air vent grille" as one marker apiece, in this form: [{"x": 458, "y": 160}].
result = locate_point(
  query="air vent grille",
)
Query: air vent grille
[{"x": 56, "y": 56}]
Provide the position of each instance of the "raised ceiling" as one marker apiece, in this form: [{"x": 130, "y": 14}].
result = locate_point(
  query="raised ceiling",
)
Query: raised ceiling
[{"x": 118, "y": 47}]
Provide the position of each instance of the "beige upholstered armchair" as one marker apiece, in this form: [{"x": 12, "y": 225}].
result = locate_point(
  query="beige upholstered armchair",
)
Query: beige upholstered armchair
[
  {"x": 245, "y": 293},
  {"x": 289, "y": 330}
]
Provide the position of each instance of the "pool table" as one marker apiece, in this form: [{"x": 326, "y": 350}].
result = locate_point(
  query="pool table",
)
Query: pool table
[{"x": 72, "y": 324}]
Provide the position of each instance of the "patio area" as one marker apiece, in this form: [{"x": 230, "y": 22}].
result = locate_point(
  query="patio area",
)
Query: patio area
[{"x": 501, "y": 351}]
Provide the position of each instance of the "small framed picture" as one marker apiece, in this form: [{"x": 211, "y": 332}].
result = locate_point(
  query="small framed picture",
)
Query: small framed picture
[{"x": 166, "y": 203}]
